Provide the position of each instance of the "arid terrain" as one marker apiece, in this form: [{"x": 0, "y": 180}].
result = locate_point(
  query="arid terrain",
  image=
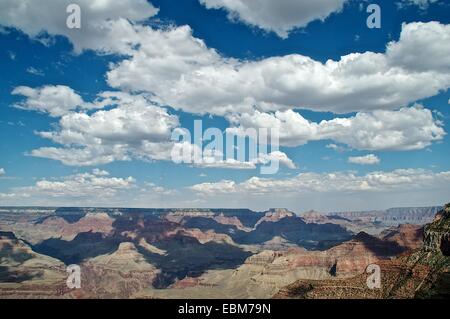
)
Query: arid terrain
[{"x": 176, "y": 253}]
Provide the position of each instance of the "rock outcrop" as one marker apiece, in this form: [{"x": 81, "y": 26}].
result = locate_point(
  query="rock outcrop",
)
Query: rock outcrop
[
  {"x": 407, "y": 236},
  {"x": 437, "y": 233},
  {"x": 275, "y": 215},
  {"x": 424, "y": 273},
  {"x": 24, "y": 273},
  {"x": 59, "y": 227},
  {"x": 117, "y": 275}
]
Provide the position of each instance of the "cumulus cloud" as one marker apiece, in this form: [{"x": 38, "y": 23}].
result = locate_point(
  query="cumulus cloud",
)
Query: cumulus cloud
[
  {"x": 342, "y": 190},
  {"x": 133, "y": 127},
  {"x": 79, "y": 189},
  {"x": 406, "y": 129},
  {"x": 192, "y": 154},
  {"x": 135, "y": 119},
  {"x": 337, "y": 148},
  {"x": 433, "y": 40},
  {"x": 99, "y": 172},
  {"x": 196, "y": 79},
  {"x": 280, "y": 16},
  {"x": 2, "y": 171},
  {"x": 106, "y": 24},
  {"x": 94, "y": 188},
  {"x": 262, "y": 159},
  {"x": 277, "y": 156},
  {"x": 181, "y": 71},
  {"x": 82, "y": 185},
  {"x": 337, "y": 182},
  {"x": 56, "y": 100},
  {"x": 369, "y": 159},
  {"x": 222, "y": 187},
  {"x": 85, "y": 156}
]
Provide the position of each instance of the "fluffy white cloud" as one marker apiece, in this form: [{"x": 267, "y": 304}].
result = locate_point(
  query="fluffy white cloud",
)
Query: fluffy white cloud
[
  {"x": 185, "y": 152},
  {"x": 85, "y": 156},
  {"x": 91, "y": 188},
  {"x": 222, "y": 187},
  {"x": 342, "y": 190},
  {"x": 105, "y": 24},
  {"x": 338, "y": 182},
  {"x": 82, "y": 185},
  {"x": 181, "y": 71},
  {"x": 194, "y": 78},
  {"x": 369, "y": 159},
  {"x": 135, "y": 119},
  {"x": 278, "y": 156},
  {"x": 279, "y": 16},
  {"x": 132, "y": 127},
  {"x": 55, "y": 100},
  {"x": 262, "y": 159},
  {"x": 337, "y": 148},
  {"x": 135, "y": 127},
  {"x": 406, "y": 129},
  {"x": 96, "y": 188},
  {"x": 433, "y": 40},
  {"x": 165, "y": 62},
  {"x": 99, "y": 172},
  {"x": 2, "y": 171}
]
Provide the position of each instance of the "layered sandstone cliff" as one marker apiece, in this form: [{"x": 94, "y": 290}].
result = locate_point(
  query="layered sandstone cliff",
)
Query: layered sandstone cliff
[{"x": 423, "y": 273}]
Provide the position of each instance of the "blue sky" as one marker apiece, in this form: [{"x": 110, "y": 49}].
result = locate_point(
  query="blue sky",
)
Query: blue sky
[{"x": 219, "y": 80}]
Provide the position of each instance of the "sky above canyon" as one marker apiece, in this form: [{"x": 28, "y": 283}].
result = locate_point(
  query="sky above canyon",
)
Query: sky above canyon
[{"x": 87, "y": 115}]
